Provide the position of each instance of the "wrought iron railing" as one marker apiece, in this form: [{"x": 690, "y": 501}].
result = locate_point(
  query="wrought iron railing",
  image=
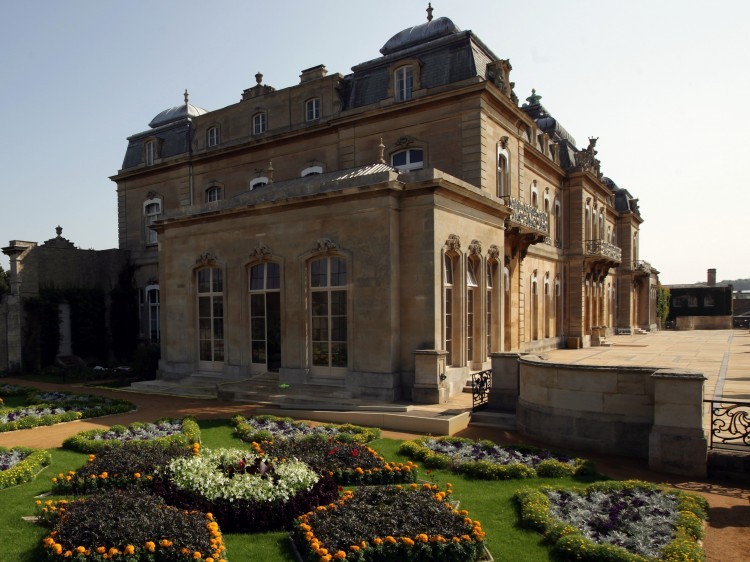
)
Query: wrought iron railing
[
  {"x": 730, "y": 425},
  {"x": 526, "y": 215},
  {"x": 605, "y": 249},
  {"x": 481, "y": 385}
]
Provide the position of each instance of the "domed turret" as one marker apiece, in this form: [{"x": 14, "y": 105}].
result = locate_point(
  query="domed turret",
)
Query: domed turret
[{"x": 177, "y": 113}]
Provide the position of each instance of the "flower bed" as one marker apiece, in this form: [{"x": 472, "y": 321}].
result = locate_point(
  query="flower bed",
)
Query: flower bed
[
  {"x": 58, "y": 407},
  {"x": 132, "y": 465},
  {"x": 389, "y": 523},
  {"x": 348, "y": 463},
  {"x": 21, "y": 464},
  {"x": 486, "y": 460},
  {"x": 14, "y": 390},
  {"x": 622, "y": 521},
  {"x": 246, "y": 491},
  {"x": 260, "y": 428},
  {"x": 165, "y": 431},
  {"x": 132, "y": 527}
]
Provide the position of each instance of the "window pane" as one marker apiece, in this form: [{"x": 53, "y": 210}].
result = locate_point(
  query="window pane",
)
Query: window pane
[
  {"x": 338, "y": 272},
  {"x": 218, "y": 307},
  {"x": 258, "y": 328},
  {"x": 320, "y": 354},
  {"x": 204, "y": 328},
  {"x": 256, "y": 277},
  {"x": 259, "y": 351},
  {"x": 416, "y": 155},
  {"x": 273, "y": 279},
  {"x": 338, "y": 355},
  {"x": 338, "y": 329},
  {"x": 204, "y": 307},
  {"x": 204, "y": 276},
  {"x": 257, "y": 305},
  {"x": 219, "y": 328},
  {"x": 319, "y": 273},
  {"x": 205, "y": 350},
  {"x": 399, "y": 159},
  {"x": 338, "y": 303},
  {"x": 218, "y": 350},
  {"x": 320, "y": 329},
  {"x": 320, "y": 303},
  {"x": 448, "y": 265},
  {"x": 218, "y": 280}
]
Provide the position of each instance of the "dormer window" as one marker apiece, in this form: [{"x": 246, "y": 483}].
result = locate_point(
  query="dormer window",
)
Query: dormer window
[
  {"x": 312, "y": 109},
  {"x": 407, "y": 160},
  {"x": 404, "y": 82},
  {"x": 312, "y": 171},
  {"x": 213, "y": 136},
  {"x": 259, "y": 123},
  {"x": 150, "y": 153},
  {"x": 213, "y": 194},
  {"x": 258, "y": 182}
]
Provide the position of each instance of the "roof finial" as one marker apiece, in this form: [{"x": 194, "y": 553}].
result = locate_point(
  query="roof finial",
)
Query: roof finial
[
  {"x": 58, "y": 230},
  {"x": 533, "y": 99},
  {"x": 269, "y": 172},
  {"x": 381, "y": 150},
  {"x": 429, "y": 11},
  {"x": 259, "y": 78},
  {"x": 186, "y": 96}
]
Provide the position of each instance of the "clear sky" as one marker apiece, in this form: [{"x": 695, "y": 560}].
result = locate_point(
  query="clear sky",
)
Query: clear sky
[{"x": 662, "y": 83}]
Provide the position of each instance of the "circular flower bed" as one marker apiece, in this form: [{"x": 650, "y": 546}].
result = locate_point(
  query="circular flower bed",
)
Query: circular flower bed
[
  {"x": 485, "y": 459},
  {"x": 245, "y": 490},
  {"x": 617, "y": 521},
  {"x": 129, "y": 526},
  {"x": 268, "y": 427},
  {"x": 389, "y": 523},
  {"x": 21, "y": 464},
  {"x": 165, "y": 431}
]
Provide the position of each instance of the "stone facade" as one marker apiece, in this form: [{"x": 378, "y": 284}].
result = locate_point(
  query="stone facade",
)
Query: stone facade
[{"x": 383, "y": 231}]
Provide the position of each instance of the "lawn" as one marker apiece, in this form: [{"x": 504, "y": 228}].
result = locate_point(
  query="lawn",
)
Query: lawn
[{"x": 491, "y": 502}]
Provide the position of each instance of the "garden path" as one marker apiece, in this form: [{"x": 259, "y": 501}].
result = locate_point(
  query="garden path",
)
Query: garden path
[{"x": 727, "y": 536}]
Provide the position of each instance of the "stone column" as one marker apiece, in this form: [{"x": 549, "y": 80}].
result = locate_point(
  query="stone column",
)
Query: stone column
[
  {"x": 505, "y": 377},
  {"x": 677, "y": 443},
  {"x": 429, "y": 377}
]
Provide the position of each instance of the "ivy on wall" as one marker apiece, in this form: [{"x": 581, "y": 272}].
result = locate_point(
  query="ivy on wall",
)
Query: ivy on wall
[{"x": 662, "y": 304}]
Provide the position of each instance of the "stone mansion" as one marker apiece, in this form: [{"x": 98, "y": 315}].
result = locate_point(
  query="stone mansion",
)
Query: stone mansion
[{"x": 383, "y": 231}]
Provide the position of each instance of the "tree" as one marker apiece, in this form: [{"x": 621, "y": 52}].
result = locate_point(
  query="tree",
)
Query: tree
[
  {"x": 662, "y": 305},
  {"x": 4, "y": 281}
]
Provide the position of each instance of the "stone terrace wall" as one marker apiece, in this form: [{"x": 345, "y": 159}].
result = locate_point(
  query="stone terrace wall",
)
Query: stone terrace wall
[{"x": 630, "y": 411}]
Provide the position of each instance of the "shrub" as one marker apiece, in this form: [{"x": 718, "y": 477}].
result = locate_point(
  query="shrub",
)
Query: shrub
[
  {"x": 132, "y": 527},
  {"x": 165, "y": 431},
  {"x": 21, "y": 464}
]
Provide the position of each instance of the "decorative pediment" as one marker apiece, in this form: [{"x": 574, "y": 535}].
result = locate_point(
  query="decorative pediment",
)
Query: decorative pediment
[
  {"x": 261, "y": 252},
  {"x": 453, "y": 243},
  {"x": 475, "y": 248},
  {"x": 325, "y": 245},
  {"x": 206, "y": 258}
]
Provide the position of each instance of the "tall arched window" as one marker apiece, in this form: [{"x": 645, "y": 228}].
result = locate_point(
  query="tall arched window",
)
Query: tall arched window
[
  {"x": 210, "y": 282},
  {"x": 153, "y": 308},
  {"x": 558, "y": 224},
  {"x": 403, "y": 82},
  {"x": 491, "y": 314},
  {"x": 601, "y": 224},
  {"x": 449, "y": 266},
  {"x": 150, "y": 152},
  {"x": 213, "y": 136},
  {"x": 587, "y": 223},
  {"x": 558, "y": 307},
  {"x": 265, "y": 315},
  {"x": 507, "y": 344},
  {"x": 534, "y": 307},
  {"x": 259, "y": 123},
  {"x": 473, "y": 320},
  {"x": 312, "y": 109},
  {"x": 547, "y": 306},
  {"x": 503, "y": 185},
  {"x": 328, "y": 310}
]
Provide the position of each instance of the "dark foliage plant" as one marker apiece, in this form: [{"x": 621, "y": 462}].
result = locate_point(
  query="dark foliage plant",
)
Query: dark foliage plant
[
  {"x": 95, "y": 440},
  {"x": 132, "y": 465},
  {"x": 389, "y": 523},
  {"x": 130, "y": 526}
]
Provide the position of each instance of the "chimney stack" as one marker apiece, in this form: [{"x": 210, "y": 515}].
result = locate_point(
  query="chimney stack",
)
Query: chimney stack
[{"x": 712, "y": 278}]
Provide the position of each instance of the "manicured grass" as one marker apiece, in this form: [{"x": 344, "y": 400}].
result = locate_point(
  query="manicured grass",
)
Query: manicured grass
[{"x": 491, "y": 502}]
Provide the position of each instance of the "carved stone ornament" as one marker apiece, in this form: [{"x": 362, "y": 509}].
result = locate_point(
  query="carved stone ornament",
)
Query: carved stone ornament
[
  {"x": 324, "y": 245},
  {"x": 453, "y": 243},
  {"x": 152, "y": 195},
  {"x": 504, "y": 142},
  {"x": 406, "y": 140},
  {"x": 586, "y": 158},
  {"x": 152, "y": 281},
  {"x": 261, "y": 252},
  {"x": 206, "y": 258},
  {"x": 475, "y": 248},
  {"x": 493, "y": 252}
]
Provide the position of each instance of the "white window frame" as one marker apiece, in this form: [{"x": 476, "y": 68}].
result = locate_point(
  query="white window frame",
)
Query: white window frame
[
  {"x": 311, "y": 171},
  {"x": 329, "y": 288},
  {"x": 217, "y": 337},
  {"x": 260, "y": 123},
  {"x": 410, "y": 165},
  {"x": 258, "y": 182},
  {"x": 212, "y": 136},
  {"x": 312, "y": 109},
  {"x": 150, "y": 217},
  {"x": 153, "y": 309},
  {"x": 214, "y": 193},
  {"x": 403, "y": 82}
]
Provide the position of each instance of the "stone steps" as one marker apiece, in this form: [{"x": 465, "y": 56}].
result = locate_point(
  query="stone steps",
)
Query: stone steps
[{"x": 496, "y": 420}]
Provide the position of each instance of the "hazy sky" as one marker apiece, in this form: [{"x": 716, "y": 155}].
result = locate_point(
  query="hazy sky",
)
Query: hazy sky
[{"x": 662, "y": 83}]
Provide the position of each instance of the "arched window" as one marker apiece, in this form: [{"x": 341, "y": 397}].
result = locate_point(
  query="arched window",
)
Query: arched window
[
  {"x": 601, "y": 224},
  {"x": 213, "y": 136},
  {"x": 403, "y": 81},
  {"x": 503, "y": 185},
  {"x": 407, "y": 160},
  {"x": 328, "y": 312},
  {"x": 587, "y": 223},
  {"x": 151, "y": 213},
  {"x": 259, "y": 123},
  {"x": 534, "y": 307},
  {"x": 149, "y": 153},
  {"x": 265, "y": 314},
  {"x": 472, "y": 306},
  {"x": 558, "y": 224},
  {"x": 311, "y": 171},
  {"x": 312, "y": 109},
  {"x": 210, "y": 283},
  {"x": 491, "y": 306},
  {"x": 534, "y": 195},
  {"x": 258, "y": 182},
  {"x": 449, "y": 266},
  {"x": 213, "y": 194}
]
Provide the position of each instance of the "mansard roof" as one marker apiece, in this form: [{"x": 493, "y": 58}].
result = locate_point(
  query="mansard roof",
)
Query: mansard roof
[
  {"x": 176, "y": 113},
  {"x": 422, "y": 33}
]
